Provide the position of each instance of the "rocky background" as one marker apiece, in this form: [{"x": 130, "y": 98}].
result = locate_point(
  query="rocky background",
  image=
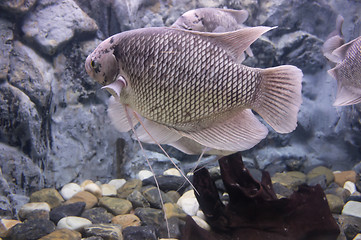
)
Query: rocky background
[{"x": 53, "y": 123}]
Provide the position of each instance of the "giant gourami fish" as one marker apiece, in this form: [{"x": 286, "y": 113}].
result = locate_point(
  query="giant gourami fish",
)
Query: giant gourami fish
[
  {"x": 189, "y": 90},
  {"x": 214, "y": 20},
  {"x": 346, "y": 59}
]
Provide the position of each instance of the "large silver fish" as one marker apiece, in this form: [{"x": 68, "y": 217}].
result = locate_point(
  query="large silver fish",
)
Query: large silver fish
[
  {"x": 189, "y": 91},
  {"x": 213, "y": 20},
  {"x": 347, "y": 70}
]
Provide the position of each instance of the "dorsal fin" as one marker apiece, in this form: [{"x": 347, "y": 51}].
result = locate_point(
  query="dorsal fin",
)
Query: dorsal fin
[
  {"x": 240, "y": 15},
  {"x": 235, "y": 42}
]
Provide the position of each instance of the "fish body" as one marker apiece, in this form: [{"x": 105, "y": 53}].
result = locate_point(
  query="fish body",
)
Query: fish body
[
  {"x": 189, "y": 90},
  {"x": 214, "y": 20},
  {"x": 346, "y": 59}
]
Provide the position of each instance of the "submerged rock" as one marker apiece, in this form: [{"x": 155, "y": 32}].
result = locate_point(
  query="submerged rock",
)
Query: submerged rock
[{"x": 52, "y": 24}]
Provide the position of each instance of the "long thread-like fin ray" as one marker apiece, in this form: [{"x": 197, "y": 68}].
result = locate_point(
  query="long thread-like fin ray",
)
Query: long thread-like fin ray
[
  {"x": 150, "y": 166},
  {"x": 175, "y": 165}
]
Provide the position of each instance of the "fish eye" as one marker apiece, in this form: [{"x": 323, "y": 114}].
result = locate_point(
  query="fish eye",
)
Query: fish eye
[{"x": 92, "y": 64}]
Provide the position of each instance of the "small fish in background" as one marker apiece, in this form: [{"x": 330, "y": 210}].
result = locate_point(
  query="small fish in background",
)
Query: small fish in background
[
  {"x": 334, "y": 40},
  {"x": 346, "y": 59},
  {"x": 214, "y": 20},
  {"x": 188, "y": 90}
]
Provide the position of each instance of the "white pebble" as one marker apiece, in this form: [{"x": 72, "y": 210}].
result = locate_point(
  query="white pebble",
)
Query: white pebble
[
  {"x": 94, "y": 189},
  {"x": 30, "y": 207},
  {"x": 144, "y": 174},
  {"x": 200, "y": 222},
  {"x": 108, "y": 190},
  {"x": 188, "y": 202},
  {"x": 117, "y": 183},
  {"x": 357, "y": 237},
  {"x": 352, "y": 208},
  {"x": 73, "y": 223},
  {"x": 172, "y": 172},
  {"x": 85, "y": 182},
  {"x": 69, "y": 190},
  {"x": 350, "y": 186},
  {"x": 201, "y": 214}
]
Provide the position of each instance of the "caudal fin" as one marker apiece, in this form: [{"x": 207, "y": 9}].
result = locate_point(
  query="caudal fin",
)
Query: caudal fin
[{"x": 280, "y": 97}]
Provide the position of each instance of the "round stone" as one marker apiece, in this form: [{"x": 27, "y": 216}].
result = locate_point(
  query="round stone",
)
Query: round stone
[
  {"x": 200, "y": 222},
  {"x": 84, "y": 196},
  {"x": 188, "y": 202},
  {"x": 97, "y": 215},
  {"x": 174, "y": 210},
  {"x": 117, "y": 183},
  {"x": 342, "y": 177},
  {"x": 172, "y": 172},
  {"x": 27, "y": 208},
  {"x": 85, "y": 182},
  {"x": 94, "y": 189},
  {"x": 352, "y": 208},
  {"x": 129, "y": 187},
  {"x": 290, "y": 180},
  {"x": 6, "y": 225},
  {"x": 126, "y": 220},
  {"x": 69, "y": 190},
  {"x": 73, "y": 223},
  {"x": 49, "y": 195},
  {"x": 116, "y": 206},
  {"x": 335, "y": 203},
  {"x": 350, "y": 186},
  {"x": 106, "y": 231},
  {"x": 144, "y": 174},
  {"x": 322, "y": 171},
  {"x": 108, "y": 190},
  {"x": 63, "y": 234}
]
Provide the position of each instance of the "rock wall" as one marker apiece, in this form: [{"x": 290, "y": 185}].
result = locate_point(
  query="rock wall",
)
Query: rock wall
[{"x": 53, "y": 123}]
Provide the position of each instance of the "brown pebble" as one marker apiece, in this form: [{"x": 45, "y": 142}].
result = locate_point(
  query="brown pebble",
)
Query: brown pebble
[
  {"x": 342, "y": 177},
  {"x": 126, "y": 220},
  {"x": 62, "y": 234},
  {"x": 84, "y": 196},
  {"x": 6, "y": 225}
]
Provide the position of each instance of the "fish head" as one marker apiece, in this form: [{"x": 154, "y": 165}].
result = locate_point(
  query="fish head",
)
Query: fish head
[
  {"x": 191, "y": 20},
  {"x": 102, "y": 65}
]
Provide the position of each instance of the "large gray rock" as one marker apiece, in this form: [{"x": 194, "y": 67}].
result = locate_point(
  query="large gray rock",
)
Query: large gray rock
[
  {"x": 302, "y": 50},
  {"x": 17, "y": 7},
  {"x": 20, "y": 123},
  {"x": 6, "y": 37},
  {"x": 83, "y": 141},
  {"x": 53, "y": 23},
  {"x": 32, "y": 74},
  {"x": 19, "y": 171}
]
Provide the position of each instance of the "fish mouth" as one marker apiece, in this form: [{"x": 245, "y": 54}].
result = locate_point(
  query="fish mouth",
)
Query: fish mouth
[{"x": 88, "y": 68}]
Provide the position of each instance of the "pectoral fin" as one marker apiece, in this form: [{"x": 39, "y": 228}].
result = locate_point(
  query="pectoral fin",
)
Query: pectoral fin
[{"x": 118, "y": 116}]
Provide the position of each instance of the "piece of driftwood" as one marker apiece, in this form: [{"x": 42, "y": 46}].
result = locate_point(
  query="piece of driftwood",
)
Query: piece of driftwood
[{"x": 254, "y": 212}]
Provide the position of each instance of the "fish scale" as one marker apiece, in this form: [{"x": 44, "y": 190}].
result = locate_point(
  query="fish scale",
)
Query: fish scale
[{"x": 214, "y": 83}]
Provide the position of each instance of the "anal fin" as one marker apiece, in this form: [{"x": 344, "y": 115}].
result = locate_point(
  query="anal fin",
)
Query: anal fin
[
  {"x": 346, "y": 97},
  {"x": 150, "y": 130},
  {"x": 238, "y": 133}
]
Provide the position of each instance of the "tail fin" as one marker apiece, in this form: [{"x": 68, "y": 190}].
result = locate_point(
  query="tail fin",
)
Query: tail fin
[{"x": 280, "y": 97}]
